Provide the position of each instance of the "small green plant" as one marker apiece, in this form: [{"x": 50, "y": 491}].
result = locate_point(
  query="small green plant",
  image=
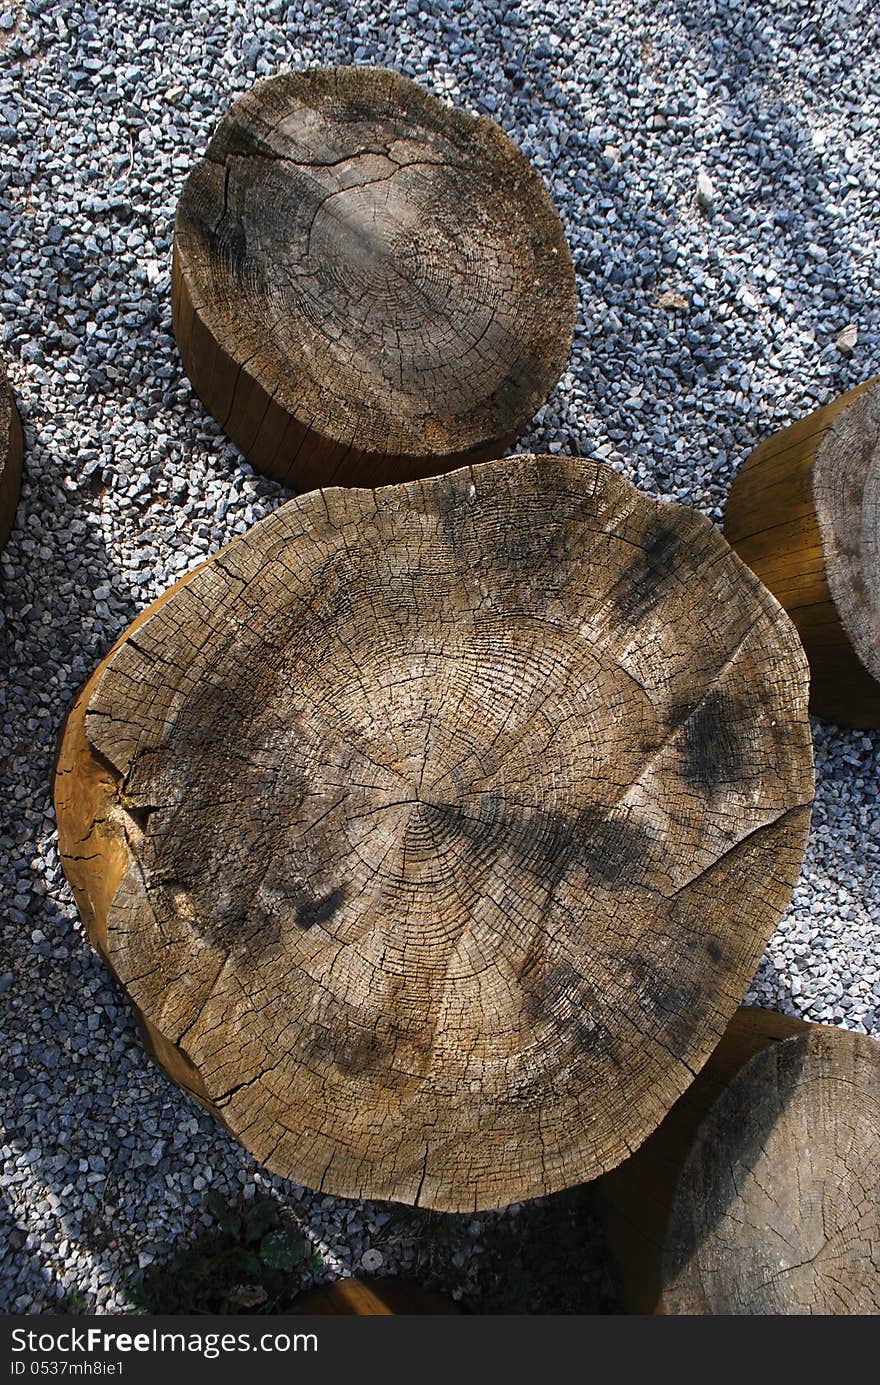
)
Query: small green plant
[{"x": 253, "y": 1261}]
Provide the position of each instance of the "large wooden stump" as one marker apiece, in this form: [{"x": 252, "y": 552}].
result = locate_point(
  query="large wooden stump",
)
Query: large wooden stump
[
  {"x": 368, "y": 285},
  {"x": 11, "y": 448},
  {"x": 436, "y": 831},
  {"x": 804, "y": 513},
  {"x": 778, "y": 1206}
]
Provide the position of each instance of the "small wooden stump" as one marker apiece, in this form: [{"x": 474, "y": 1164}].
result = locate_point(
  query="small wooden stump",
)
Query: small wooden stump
[
  {"x": 11, "y": 447},
  {"x": 374, "y": 1298},
  {"x": 804, "y": 513},
  {"x": 368, "y": 285},
  {"x": 435, "y": 831},
  {"x": 776, "y": 1209}
]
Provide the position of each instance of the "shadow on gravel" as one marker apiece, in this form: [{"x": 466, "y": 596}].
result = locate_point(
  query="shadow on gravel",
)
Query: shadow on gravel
[
  {"x": 693, "y": 365},
  {"x": 55, "y": 560}
]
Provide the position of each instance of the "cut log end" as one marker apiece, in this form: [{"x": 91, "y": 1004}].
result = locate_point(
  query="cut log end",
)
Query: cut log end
[
  {"x": 438, "y": 828},
  {"x": 804, "y": 513},
  {"x": 776, "y": 1210},
  {"x": 368, "y": 285},
  {"x": 11, "y": 447}
]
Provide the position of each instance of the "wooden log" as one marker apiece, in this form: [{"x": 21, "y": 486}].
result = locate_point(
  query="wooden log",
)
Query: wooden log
[
  {"x": 367, "y": 284},
  {"x": 435, "y": 831},
  {"x": 11, "y": 447},
  {"x": 804, "y": 513},
  {"x": 374, "y": 1298},
  {"x": 634, "y": 1200},
  {"x": 777, "y": 1210},
  {"x": 684, "y": 1242}
]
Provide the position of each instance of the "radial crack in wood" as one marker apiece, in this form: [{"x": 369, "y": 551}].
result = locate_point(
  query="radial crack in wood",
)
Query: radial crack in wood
[
  {"x": 776, "y": 1209},
  {"x": 804, "y": 513},
  {"x": 11, "y": 447},
  {"x": 436, "y": 831},
  {"x": 368, "y": 285}
]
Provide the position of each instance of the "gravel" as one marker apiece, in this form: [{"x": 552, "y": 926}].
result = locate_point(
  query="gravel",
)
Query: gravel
[{"x": 716, "y": 169}]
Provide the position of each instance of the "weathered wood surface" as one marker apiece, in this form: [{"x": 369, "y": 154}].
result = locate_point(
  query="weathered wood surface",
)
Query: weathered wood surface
[
  {"x": 635, "y": 1199},
  {"x": 804, "y": 513},
  {"x": 374, "y": 1298},
  {"x": 436, "y": 831},
  {"x": 368, "y": 285},
  {"x": 777, "y": 1210},
  {"x": 11, "y": 447}
]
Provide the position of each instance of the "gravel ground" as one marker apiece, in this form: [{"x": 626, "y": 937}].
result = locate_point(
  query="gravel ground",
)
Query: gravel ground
[{"x": 716, "y": 166}]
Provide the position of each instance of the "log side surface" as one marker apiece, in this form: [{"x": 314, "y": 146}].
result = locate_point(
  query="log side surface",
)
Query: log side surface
[
  {"x": 436, "y": 831},
  {"x": 368, "y": 285},
  {"x": 804, "y": 513},
  {"x": 383, "y": 1297},
  {"x": 776, "y": 1210},
  {"x": 11, "y": 447}
]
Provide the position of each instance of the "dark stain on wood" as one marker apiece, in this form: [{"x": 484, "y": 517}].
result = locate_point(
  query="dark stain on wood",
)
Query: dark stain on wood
[
  {"x": 549, "y": 845},
  {"x": 666, "y": 996},
  {"x": 312, "y": 911},
  {"x": 643, "y": 581},
  {"x": 714, "y": 750},
  {"x": 568, "y": 999}
]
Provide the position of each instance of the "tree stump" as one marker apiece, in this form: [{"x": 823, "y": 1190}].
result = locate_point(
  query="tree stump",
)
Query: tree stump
[
  {"x": 436, "y": 831},
  {"x": 368, "y": 285},
  {"x": 776, "y": 1210},
  {"x": 374, "y": 1298},
  {"x": 635, "y": 1199},
  {"x": 11, "y": 447},
  {"x": 804, "y": 513}
]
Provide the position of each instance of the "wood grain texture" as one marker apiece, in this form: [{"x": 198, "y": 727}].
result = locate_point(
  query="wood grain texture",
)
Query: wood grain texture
[
  {"x": 11, "y": 448},
  {"x": 804, "y": 513},
  {"x": 776, "y": 1209},
  {"x": 438, "y": 829},
  {"x": 635, "y": 1199},
  {"x": 368, "y": 285},
  {"x": 374, "y": 1298}
]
